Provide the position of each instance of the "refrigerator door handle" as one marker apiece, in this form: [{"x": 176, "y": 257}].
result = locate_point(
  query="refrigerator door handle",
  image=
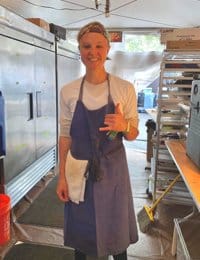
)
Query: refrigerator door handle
[
  {"x": 2, "y": 127},
  {"x": 30, "y": 101},
  {"x": 38, "y": 104}
]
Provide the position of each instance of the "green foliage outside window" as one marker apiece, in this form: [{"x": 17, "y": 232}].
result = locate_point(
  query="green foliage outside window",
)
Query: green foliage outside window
[{"x": 141, "y": 43}]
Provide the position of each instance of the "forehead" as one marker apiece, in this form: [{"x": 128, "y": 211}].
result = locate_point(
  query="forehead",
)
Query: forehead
[{"x": 93, "y": 37}]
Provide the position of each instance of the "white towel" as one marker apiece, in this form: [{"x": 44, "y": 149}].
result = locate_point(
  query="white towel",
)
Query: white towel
[{"x": 75, "y": 175}]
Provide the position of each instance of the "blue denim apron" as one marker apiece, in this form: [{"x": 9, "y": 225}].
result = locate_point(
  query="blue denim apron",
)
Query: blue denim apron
[{"x": 104, "y": 224}]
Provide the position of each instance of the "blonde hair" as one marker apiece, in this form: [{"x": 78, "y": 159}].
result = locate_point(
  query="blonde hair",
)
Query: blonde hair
[{"x": 96, "y": 27}]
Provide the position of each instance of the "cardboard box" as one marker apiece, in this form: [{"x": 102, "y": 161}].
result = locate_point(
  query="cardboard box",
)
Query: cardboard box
[
  {"x": 183, "y": 45},
  {"x": 40, "y": 22},
  {"x": 115, "y": 36},
  {"x": 179, "y": 34}
]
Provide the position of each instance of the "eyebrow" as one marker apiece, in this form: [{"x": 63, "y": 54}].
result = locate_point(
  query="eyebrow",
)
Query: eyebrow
[{"x": 99, "y": 42}]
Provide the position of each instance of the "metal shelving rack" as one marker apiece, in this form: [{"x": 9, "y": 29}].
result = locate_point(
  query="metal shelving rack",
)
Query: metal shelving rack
[{"x": 178, "y": 69}]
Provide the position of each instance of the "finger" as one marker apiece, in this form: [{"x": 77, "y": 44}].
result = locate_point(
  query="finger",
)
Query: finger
[
  {"x": 118, "y": 109},
  {"x": 107, "y": 128},
  {"x": 63, "y": 196}
]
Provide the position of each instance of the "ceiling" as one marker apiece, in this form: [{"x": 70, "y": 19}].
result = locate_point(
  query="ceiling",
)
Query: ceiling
[{"x": 123, "y": 14}]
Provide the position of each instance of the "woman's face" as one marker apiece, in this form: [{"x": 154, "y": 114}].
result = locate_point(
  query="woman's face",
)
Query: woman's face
[{"x": 94, "y": 48}]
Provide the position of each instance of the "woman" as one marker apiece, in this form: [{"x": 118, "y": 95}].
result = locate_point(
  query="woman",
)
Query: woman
[{"x": 97, "y": 112}]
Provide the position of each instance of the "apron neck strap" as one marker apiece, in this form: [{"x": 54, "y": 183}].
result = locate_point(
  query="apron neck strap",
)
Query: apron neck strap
[{"x": 81, "y": 89}]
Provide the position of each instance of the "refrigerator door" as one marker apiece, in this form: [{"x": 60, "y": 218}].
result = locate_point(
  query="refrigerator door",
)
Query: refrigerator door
[
  {"x": 45, "y": 100},
  {"x": 17, "y": 89}
]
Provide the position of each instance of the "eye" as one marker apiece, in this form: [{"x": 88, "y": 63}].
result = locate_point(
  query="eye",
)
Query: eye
[
  {"x": 99, "y": 46},
  {"x": 86, "y": 46}
]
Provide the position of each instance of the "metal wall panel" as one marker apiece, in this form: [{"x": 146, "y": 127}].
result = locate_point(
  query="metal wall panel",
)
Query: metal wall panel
[{"x": 69, "y": 68}]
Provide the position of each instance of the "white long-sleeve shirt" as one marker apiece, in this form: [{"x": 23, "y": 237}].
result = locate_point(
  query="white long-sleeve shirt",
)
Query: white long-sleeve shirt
[{"x": 96, "y": 96}]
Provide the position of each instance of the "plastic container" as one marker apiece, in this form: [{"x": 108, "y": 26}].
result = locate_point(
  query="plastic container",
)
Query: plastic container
[
  {"x": 146, "y": 99},
  {"x": 4, "y": 219},
  {"x": 149, "y": 100}
]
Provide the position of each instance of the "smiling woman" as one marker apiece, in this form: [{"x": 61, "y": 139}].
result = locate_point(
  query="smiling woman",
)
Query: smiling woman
[
  {"x": 93, "y": 50},
  {"x": 94, "y": 46},
  {"x": 103, "y": 222}
]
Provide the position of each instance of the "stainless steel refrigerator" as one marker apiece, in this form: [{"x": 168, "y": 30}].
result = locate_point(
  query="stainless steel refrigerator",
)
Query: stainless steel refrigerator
[{"x": 28, "y": 87}]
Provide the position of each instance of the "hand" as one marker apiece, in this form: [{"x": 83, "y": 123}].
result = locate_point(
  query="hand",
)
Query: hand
[
  {"x": 115, "y": 122},
  {"x": 62, "y": 190}
]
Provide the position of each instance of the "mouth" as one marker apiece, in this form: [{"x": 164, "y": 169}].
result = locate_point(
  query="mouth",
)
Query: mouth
[{"x": 93, "y": 59}]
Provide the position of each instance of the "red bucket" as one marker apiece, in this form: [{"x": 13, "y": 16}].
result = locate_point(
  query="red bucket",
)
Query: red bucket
[{"x": 4, "y": 219}]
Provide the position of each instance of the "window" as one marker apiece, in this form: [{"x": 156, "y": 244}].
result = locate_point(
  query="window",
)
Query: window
[{"x": 142, "y": 42}]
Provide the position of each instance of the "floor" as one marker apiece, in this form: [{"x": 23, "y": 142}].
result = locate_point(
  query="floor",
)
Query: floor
[
  {"x": 157, "y": 243},
  {"x": 154, "y": 245}
]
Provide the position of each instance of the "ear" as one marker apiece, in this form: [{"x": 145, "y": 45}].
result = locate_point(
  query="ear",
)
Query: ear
[{"x": 108, "y": 51}]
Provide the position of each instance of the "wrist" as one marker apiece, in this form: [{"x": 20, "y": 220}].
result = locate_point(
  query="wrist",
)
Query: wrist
[{"x": 127, "y": 130}]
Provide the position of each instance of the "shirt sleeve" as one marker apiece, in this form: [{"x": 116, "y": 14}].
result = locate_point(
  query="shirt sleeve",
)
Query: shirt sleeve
[
  {"x": 130, "y": 106},
  {"x": 123, "y": 92},
  {"x": 65, "y": 115}
]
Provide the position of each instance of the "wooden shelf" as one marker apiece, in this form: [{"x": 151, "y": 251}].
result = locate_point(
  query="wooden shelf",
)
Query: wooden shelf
[{"x": 188, "y": 170}]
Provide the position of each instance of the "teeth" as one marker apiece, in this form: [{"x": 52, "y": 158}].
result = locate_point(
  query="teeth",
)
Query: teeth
[{"x": 93, "y": 59}]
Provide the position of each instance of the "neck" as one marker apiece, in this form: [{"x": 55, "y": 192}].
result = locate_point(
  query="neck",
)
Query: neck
[{"x": 96, "y": 77}]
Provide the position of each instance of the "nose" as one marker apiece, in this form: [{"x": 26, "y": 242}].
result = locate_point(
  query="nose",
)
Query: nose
[{"x": 93, "y": 50}]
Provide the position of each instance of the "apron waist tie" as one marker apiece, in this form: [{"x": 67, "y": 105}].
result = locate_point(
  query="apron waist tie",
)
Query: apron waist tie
[{"x": 95, "y": 171}]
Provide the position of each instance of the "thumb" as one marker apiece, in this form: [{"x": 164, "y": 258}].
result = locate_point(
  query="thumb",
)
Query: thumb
[{"x": 118, "y": 109}]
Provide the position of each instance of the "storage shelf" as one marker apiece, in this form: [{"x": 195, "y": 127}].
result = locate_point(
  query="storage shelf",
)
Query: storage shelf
[{"x": 176, "y": 76}]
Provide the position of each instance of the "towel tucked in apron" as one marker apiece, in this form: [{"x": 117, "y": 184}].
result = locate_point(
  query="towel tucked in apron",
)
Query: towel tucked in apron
[{"x": 104, "y": 224}]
